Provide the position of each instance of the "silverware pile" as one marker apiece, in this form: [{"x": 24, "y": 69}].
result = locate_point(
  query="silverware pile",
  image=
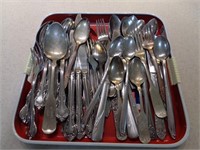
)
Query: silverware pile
[{"x": 78, "y": 80}]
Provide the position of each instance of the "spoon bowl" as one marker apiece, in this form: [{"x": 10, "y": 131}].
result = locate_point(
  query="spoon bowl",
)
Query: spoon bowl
[
  {"x": 126, "y": 23},
  {"x": 99, "y": 52},
  {"x": 137, "y": 72},
  {"x": 82, "y": 31},
  {"x": 115, "y": 24},
  {"x": 116, "y": 47},
  {"x": 116, "y": 71},
  {"x": 161, "y": 47},
  {"x": 129, "y": 47},
  {"x": 55, "y": 42}
]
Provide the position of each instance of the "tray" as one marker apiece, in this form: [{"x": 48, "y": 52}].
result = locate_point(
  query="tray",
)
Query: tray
[{"x": 109, "y": 139}]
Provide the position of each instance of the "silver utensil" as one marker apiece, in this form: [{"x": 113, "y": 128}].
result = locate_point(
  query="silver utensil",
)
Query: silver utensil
[
  {"x": 55, "y": 48},
  {"x": 137, "y": 76},
  {"x": 116, "y": 76},
  {"x": 159, "y": 122},
  {"x": 162, "y": 51},
  {"x": 97, "y": 133},
  {"x": 126, "y": 23},
  {"x": 154, "y": 92},
  {"x": 114, "y": 24},
  {"x": 99, "y": 53},
  {"x": 129, "y": 48},
  {"x": 81, "y": 35},
  {"x": 70, "y": 129}
]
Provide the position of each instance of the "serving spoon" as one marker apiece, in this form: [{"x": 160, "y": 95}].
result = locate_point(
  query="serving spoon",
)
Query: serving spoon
[{"x": 55, "y": 48}]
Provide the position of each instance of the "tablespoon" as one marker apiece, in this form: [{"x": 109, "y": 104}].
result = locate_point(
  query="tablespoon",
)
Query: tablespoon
[
  {"x": 81, "y": 35},
  {"x": 55, "y": 48},
  {"x": 129, "y": 48},
  {"x": 116, "y": 76},
  {"x": 137, "y": 77},
  {"x": 162, "y": 52}
]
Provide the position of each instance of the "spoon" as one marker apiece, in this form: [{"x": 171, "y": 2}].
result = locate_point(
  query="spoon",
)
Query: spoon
[
  {"x": 81, "y": 35},
  {"x": 99, "y": 53},
  {"x": 55, "y": 48},
  {"x": 115, "y": 24},
  {"x": 114, "y": 50},
  {"x": 129, "y": 48},
  {"x": 116, "y": 76},
  {"x": 126, "y": 23},
  {"x": 137, "y": 77},
  {"x": 162, "y": 52}
]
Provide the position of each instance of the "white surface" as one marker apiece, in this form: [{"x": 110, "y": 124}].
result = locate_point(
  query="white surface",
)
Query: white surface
[{"x": 20, "y": 21}]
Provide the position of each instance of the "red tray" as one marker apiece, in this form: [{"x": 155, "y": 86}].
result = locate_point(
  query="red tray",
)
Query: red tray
[{"x": 109, "y": 138}]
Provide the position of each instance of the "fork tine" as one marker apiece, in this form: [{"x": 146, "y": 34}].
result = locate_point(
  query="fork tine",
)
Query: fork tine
[
  {"x": 104, "y": 26},
  {"x": 97, "y": 27}
]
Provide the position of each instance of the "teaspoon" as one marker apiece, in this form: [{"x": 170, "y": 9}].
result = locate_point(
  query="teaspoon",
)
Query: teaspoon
[
  {"x": 116, "y": 76},
  {"x": 162, "y": 52},
  {"x": 137, "y": 77}
]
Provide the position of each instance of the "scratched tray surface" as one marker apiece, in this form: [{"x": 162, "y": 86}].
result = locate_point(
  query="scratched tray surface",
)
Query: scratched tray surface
[{"x": 109, "y": 135}]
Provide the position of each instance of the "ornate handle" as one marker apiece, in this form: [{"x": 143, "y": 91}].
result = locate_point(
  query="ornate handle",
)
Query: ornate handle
[{"x": 97, "y": 133}]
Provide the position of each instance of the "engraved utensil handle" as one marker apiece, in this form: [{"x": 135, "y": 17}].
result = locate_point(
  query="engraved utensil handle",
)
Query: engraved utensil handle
[
  {"x": 156, "y": 100},
  {"x": 160, "y": 80},
  {"x": 79, "y": 104},
  {"x": 39, "y": 102},
  {"x": 170, "y": 111},
  {"x": 148, "y": 111},
  {"x": 49, "y": 121},
  {"x": 116, "y": 111},
  {"x": 98, "y": 129},
  {"x": 70, "y": 131},
  {"x": 32, "y": 127},
  {"x": 131, "y": 124},
  {"x": 86, "y": 89},
  {"x": 62, "y": 111},
  {"x": 70, "y": 65}
]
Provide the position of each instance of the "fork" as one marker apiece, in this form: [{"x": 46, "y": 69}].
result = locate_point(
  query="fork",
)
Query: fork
[
  {"x": 154, "y": 92},
  {"x": 148, "y": 44},
  {"x": 102, "y": 32}
]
